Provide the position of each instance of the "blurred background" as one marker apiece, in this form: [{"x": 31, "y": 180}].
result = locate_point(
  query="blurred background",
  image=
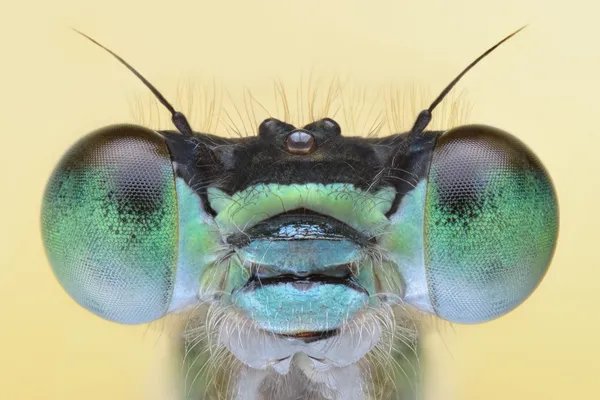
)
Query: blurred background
[{"x": 55, "y": 87}]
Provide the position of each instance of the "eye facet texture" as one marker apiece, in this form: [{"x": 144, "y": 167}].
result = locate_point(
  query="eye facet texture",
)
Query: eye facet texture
[
  {"x": 109, "y": 223},
  {"x": 491, "y": 224}
]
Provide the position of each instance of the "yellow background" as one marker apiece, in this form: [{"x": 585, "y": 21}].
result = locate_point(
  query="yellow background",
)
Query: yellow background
[{"x": 542, "y": 86}]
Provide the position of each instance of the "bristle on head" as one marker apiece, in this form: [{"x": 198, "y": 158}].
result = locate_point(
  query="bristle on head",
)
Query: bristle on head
[{"x": 360, "y": 111}]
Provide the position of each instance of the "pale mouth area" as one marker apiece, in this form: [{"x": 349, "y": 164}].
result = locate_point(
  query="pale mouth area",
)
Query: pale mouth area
[
  {"x": 343, "y": 272},
  {"x": 302, "y": 280},
  {"x": 301, "y": 248},
  {"x": 295, "y": 277},
  {"x": 300, "y": 243},
  {"x": 290, "y": 285},
  {"x": 260, "y": 349},
  {"x": 305, "y": 279},
  {"x": 302, "y": 307}
]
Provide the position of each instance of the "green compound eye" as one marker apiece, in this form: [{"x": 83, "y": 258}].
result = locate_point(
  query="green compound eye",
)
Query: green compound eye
[
  {"x": 490, "y": 224},
  {"x": 110, "y": 223}
]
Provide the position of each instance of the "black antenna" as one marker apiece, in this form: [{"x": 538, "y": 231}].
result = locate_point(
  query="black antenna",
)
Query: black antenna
[
  {"x": 425, "y": 116},
  {"x": 179, "y": 120}
]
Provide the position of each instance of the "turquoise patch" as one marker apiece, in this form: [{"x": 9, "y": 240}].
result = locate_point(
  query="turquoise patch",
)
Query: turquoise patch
[
  {"x": 300, "y": 257},
  {"x": 404, "y": 246},
  {"x": 288, "y": 308},
  {"x": 199, "y": 246}
]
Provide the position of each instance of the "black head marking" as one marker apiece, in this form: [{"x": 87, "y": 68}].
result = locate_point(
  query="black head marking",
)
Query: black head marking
[
  {"x": 272, "y": 129},
  {"x": 324, "y": 128},
  {"x": 316, "y": 153},
  {"x": 298, "y": 141}
]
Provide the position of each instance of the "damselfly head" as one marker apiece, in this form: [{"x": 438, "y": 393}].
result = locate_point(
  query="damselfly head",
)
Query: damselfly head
[{"x": 300, "y": 232}]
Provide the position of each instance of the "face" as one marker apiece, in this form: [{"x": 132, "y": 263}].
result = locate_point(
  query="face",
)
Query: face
[
  {"x": 301, "y": 243},
  {"x": 299, "y": 239}
]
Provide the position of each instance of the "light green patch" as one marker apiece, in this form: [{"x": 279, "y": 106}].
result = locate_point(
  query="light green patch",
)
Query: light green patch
[
  {"x": 237, "y": 274},
  {"x": 404, "y": 245},
  {"x": 363, "y": 211},
  {"x": 199, "y": 246}
]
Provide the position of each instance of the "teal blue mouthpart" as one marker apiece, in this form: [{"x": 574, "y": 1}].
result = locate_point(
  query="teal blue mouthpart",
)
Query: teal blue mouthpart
[
  {"x": 291, "y": 308},
  {"x": 300, "y": 257}
]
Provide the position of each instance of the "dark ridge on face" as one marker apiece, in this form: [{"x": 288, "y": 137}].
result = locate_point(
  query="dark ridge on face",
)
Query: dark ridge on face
[
  {"x": 298, "y": 224},
  {"x": 310, "y": 337},
  {"x": 255, "y": 283},
  {"x": 317, "y": 153}
]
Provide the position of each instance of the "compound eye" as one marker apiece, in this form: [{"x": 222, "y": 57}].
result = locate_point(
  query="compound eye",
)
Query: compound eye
[
  {"x": 109, "y": 223},
  {"x": 491, "y": 224}
]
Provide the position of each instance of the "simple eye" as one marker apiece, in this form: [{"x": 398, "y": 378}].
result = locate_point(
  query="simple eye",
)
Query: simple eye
[
  {"x": 490, "y": 224},
  {"x": 110, "y": 223}
]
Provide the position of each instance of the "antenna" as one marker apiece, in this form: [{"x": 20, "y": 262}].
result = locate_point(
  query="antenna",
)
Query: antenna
[
  {"x": 425, "y": 116},
  {"x": 179, "y": 120}
]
